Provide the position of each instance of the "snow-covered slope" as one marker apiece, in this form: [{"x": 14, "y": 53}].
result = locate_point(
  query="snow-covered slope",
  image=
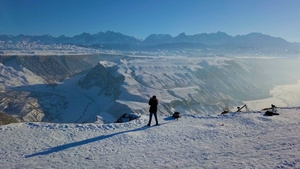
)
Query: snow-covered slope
[
  {"x": 283, "y": 96},
  {"x": 15, "y": 75},
  {"x": 27, "y": 83},
  {"x": 236, "y": 140}
]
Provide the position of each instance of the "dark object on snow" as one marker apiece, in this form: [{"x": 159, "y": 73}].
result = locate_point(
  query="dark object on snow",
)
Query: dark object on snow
[
  {"x": 270, "y": 113},
  {"x": 240, "y": 108},
  {"x": 273, "y": 112},
  {"x": 127, "y": 117},
  {"x": 176, "y": 115},
  {"x": 225, "y": 112}
]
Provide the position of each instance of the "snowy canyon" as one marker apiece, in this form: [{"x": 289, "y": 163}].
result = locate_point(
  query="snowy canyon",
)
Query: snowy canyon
[{"x": 102, "y": 87}]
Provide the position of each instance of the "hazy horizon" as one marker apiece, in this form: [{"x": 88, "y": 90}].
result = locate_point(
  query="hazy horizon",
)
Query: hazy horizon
[{"x": 141, "y": 18}]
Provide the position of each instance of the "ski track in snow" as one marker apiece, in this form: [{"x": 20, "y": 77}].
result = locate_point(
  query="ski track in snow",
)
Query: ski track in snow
[{"x": 236, "y": 140}]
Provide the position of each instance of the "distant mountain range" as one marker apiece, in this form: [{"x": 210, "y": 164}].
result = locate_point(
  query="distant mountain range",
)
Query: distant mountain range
[{"x": 116, "y": 40}]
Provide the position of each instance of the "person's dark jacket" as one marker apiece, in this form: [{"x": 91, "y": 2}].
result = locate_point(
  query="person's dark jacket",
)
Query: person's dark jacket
[{"x": 153, "y": 102}]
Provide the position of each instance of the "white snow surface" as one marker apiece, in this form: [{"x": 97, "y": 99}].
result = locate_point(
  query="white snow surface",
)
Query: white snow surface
[
  {"x": 15, "y": 75},
  {"x": 235, "y": 140},
  {"x": 33, "y": 48},
  {"x": 282, "y": 95}
]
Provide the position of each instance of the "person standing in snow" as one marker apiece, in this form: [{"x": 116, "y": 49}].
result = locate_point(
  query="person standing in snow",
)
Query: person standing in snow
[{"x": 153, "y": 102}]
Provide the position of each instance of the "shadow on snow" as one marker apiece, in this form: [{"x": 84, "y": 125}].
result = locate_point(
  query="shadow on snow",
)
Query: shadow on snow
[{"x": 79, "y": 143}]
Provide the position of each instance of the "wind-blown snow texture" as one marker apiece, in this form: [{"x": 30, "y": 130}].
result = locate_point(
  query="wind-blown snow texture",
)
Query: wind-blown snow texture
[{"x": 235, "y": 140}]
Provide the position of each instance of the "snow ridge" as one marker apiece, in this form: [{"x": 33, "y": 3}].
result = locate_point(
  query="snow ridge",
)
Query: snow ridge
[{"x": 238, "y": 140}]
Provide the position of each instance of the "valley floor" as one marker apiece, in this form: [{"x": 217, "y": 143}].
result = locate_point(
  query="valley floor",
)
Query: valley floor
[{"x": 235, "y": 140}]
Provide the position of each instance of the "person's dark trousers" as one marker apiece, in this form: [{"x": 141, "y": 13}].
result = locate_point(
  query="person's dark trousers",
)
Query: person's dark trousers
[{"x": 150, "y": 118}]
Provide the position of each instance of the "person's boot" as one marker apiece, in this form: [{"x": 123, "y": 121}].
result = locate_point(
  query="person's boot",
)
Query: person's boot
[{"x": 148, "y": 124}]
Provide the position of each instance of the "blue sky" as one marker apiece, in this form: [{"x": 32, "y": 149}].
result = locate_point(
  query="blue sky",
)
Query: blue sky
[{"x": 140, "y": 18}]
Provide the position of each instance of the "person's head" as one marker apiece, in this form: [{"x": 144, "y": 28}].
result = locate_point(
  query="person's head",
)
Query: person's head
[{"x": 154, "y": 97}]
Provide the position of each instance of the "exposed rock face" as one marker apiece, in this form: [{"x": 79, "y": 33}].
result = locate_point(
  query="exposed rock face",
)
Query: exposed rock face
[
  {"x": 105, "y": 78},
  {"x": 6, "y": 119},
  {"x": 21, "y": 105},
  {"x": 54, "y": 68}
]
